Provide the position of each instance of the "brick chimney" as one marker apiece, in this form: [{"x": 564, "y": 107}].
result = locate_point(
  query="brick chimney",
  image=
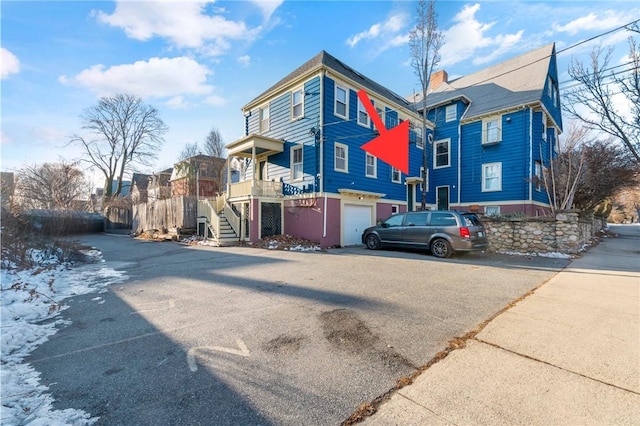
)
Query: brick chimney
[{"x": 437, "y": 78}]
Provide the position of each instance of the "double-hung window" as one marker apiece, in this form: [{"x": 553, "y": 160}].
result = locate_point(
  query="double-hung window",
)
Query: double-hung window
[
  {"x": 363, "y": 116},
  {"x": 370, "y": 165},
  {"x": 264, "y": 119},
  {"x": 396, "y": 176},
  {"x": 296, "y": 163},
  {"x": 297, "y": 104},
  {"x": 341, "y": 107},
  {"x": 544, "y": 127},
  {"x": 539, "y": 177},
  {"x": 491, "y": 130},
  {"x": 417, "y": 129},
  {"x": 450, "y": 113},
  {"x": 441, "y": 151},
  {"x": 492, "y": 177},
  {"x": 341, "y": 158}
]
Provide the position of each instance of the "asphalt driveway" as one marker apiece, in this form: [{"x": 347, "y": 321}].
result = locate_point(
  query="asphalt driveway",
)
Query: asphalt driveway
[{"x": 203, "y": 335}]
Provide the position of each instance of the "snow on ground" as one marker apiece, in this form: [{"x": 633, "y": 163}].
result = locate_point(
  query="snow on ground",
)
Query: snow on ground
[{"x": 31, "y": 303}]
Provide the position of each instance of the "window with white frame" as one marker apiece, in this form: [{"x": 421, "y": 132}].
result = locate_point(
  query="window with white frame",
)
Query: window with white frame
[
  {"x": 380, "y": 110},
  {"x": 296, "y": 163},
  {"x": 264, "y": 119},
  {"x": 297, "y": 104},
  {"x": 491, "y": 131},
  {"x": 538, "y": 175},
  {"x": 395, "y": 208},
  {"x": 451, "y": 113},
  {"x": 371, "y": 165},
  {"x": 544, "y": 127},
  {"x": 363, "y": 116},
  {"x": 341, "y": 107},
  {"x": 340, "y": 157},
  {"x": 491, "y": 177},
  {"x": 417, "y": 129},
  {"x": 492, "y": 210},
  {"x": 441, "y": 151},
  {"x": 396, "y": 175}
]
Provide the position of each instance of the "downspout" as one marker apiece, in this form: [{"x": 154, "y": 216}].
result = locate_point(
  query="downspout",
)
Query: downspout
[
  {"x": 459, "y": 159},
  {"x": 321, "y": 130},
  {"x": 530, "y": 154}
]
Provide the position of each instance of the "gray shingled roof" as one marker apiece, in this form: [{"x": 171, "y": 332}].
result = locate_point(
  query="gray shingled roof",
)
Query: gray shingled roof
[
  {"x": 517, "y": 81},
  {"x": 328, "y": 61}
]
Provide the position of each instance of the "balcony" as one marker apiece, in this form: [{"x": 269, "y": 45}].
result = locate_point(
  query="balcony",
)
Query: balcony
[{"x": 257, "y": 188}]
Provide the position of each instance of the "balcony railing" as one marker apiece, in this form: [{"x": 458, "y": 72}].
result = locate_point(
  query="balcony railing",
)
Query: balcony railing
[{"x": 259, "y": 188}]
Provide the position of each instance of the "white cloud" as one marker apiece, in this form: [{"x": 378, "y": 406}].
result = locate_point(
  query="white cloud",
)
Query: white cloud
[
  {"x": 4, "y": 138},
  {"x": 156, "y": 78},
  {"x": 9, "y": 63},
  {"x": 267, "y": 7},
  {"x": 215, "y": 100},
  {"x": 381, "y": 30},
  {"x": 468, "y": 35},
  {"x": 183, "y": 23},
  {"x": 244, "y": 60},
  {"x": 602, "y": 21}
]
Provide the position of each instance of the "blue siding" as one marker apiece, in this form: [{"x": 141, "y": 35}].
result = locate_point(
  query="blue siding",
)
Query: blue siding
[{"x": 512, "y": 152}]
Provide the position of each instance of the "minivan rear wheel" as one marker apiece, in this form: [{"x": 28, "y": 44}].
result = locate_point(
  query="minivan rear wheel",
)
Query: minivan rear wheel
[
  {"x": 441, "y": 248},
  {"x": 373, "y": 242}
]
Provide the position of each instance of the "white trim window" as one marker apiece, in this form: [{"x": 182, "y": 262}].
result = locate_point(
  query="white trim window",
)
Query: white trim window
[
  {"x": 297, "y": 104},
  {"x": 340, "y": 157},
  {"x": 341, "y": 104},
  {"x": 417, "y": 129},
  {"x": 492, "y": 210},
  {"x": 491, "y": 177},
  {"x": 371, "y": 166},
  {"x": 450, "y": 113},
  {"x": 395, "y": 208},
  {"x": 380, "y": 110},
  {"x": 544, "y": 127},
  {"x": 537, "y": 173},
  {"x": 363, "y": 116},
  {"x": 296, "y": 163},
  {"x": 442, "y": 153},
  {"x": 491, "y": 131},
  {"x": 396, "y": 175},
  {"x": 264, "y": 119}
]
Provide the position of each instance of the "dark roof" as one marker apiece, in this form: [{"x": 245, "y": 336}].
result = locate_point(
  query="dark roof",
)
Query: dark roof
[
  {"x": 517, "y": 81},
  {"x": 140, "y": 181},
  {"x": 324, "y": 59}
]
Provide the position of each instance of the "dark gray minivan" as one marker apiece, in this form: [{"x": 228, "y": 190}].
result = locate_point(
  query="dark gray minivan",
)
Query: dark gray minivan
[{"x": 441, "y": 231}]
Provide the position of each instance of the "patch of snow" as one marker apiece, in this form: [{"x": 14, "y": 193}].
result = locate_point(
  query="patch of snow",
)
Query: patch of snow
[
  {"x": 29, "y": 297},
  {"x": 555, "y": 255}
]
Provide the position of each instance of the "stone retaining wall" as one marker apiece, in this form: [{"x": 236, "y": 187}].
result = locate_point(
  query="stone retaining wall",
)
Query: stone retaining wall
[{"x": 566, "y": 233}]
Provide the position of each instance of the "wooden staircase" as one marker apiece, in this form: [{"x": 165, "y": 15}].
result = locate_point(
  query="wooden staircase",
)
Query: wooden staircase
[{"x": 220, "y": 230}]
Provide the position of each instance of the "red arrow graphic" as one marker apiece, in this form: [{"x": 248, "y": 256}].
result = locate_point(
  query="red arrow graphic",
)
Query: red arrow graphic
[{"x": 392, "y": 146}]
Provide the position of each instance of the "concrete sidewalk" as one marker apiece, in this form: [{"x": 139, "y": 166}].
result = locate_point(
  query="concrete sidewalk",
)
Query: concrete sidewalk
[{"x": 569, "y": 354}]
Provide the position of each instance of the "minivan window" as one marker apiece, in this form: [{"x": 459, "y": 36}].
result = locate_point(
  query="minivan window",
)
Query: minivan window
[
  {"x": 415, "y": 219},
  {"x": 471, "y": 220},
  {"x": 443, "y": 219},
  {"x": 395, "y": 220}
]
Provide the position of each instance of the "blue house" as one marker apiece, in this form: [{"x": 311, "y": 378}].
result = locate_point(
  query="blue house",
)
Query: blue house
[
  {"x": 304, "y": 173},
  {"x": 495, "y": 133}
]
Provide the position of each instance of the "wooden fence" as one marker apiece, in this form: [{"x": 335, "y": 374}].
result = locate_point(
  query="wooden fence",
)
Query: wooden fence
[{"x": 167, "y": 214}]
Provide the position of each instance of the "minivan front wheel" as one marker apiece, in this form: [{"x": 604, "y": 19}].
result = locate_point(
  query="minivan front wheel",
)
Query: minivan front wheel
[
  {"x": 441, "y": 248},
  {"x": 373, "y": 242}
]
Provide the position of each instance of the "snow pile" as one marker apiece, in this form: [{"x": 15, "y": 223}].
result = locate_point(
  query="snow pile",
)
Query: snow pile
[
  {"x": 553, "y": 255},
  {"x": 27, "y": 298}
]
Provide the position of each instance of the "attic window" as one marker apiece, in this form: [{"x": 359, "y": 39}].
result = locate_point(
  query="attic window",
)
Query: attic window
[
  {"x": 451, "y": 113},
  {"x": 264, "y": 119}
]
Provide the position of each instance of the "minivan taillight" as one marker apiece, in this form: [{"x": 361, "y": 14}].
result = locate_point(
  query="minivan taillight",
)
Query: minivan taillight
[{"x": 464, "y": 232}]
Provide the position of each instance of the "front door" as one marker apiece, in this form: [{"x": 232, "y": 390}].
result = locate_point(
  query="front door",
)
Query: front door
[
  {"x": 443, "y": 197},
  {"x": 411, "y": 191}
]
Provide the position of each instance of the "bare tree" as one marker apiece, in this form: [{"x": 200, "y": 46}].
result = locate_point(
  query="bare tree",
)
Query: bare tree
[
  {"x": 125, "y": 132},
  {"x": 213, "y": 144},
  {"x": 592, "y": 100},
  {"x": 586, "y": 172},
  {"x": 54, "y": 186},
  {"x": 190, "y": 150},
  {"x": 425, "y": 42}
]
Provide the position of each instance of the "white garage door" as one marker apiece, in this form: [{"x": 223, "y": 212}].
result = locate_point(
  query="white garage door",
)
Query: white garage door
[{"x": 356, "y": 220}]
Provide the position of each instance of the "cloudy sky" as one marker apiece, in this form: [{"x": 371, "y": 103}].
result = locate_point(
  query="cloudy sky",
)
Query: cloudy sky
[{"x": 200, "y": 62}]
